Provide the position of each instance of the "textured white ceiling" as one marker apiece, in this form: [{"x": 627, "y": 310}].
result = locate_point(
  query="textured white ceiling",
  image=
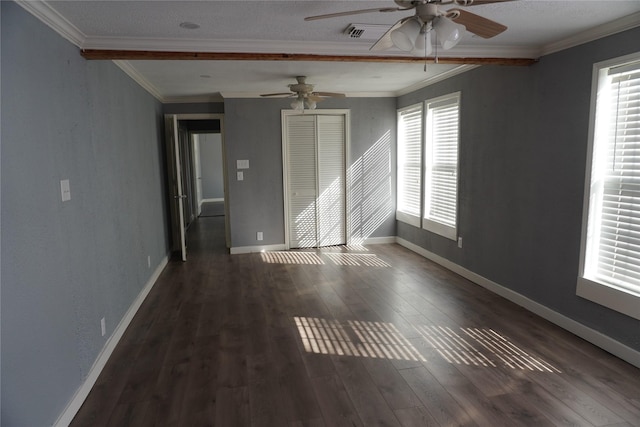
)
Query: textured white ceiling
[{"x": 535, "y": 27}]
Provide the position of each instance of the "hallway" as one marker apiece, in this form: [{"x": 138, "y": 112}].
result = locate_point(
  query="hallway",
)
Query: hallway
[{"x": 346, "y": 336}]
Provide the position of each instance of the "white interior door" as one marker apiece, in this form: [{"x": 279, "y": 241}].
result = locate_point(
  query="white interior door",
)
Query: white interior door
[
  {"x": 176, "y": 190},
  {"x": 315, "y": 180}
]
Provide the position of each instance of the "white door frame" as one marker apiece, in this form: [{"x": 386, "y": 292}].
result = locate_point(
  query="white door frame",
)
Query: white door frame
[{"x": 285, "y": 162}]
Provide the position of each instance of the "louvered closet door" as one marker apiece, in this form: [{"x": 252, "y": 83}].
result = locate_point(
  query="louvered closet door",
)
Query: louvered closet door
[
  {"x": 316, "y": 180},
  {"x": 331, "y": 180},
  {"x": 302, "y": 181}
]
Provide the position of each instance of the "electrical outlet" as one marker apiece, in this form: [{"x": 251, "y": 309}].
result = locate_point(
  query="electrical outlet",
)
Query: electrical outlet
[
  {"x": 259, "y": 235},
  {"x": 103, "y": 326}
]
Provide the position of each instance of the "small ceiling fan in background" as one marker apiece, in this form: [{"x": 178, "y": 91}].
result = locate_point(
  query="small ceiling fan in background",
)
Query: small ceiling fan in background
[
  {"x": 304, "y": 95},
  {"x": 414, "y": 33}
]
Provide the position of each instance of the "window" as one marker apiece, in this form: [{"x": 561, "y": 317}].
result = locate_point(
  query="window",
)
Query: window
[
  {"x": 428, "y": 183},
  {"x": 409, "y": 164},
  {"x": 610, "y": 255},
  {"x": 441, "y": 166}
]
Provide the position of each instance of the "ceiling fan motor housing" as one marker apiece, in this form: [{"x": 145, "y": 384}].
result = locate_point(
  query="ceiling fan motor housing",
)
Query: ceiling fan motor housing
[{"x": 301, "y": 87}]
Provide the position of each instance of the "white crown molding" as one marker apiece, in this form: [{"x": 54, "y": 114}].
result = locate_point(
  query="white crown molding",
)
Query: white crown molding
[
  {"x": 435, "y": 79},
  {"x": 139, "y": 78},
  {"x": 57, "y": 22},
  {"x": 610, "y": 28}
]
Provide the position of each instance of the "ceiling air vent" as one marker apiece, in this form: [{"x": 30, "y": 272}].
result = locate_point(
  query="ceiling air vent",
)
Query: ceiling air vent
[{"x": 365, "y": 31}]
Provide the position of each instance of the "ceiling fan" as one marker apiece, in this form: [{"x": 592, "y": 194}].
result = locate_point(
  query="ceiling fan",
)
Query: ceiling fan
[
  {"x": 413, "y": 33},
  {"x": 304, "y": 94}
]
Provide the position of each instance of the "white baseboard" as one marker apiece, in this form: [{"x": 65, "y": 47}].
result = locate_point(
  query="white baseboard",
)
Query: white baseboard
[
  {"x": 250, "y": 249},
  {"x": 221, "y": 199},
  {"x": 594, "y": 337},
  {"x": 81, "y": 394},
  {"x": 379, "y": 240}
]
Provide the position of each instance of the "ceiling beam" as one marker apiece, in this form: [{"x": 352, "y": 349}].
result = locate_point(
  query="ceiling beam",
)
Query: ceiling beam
[{"x": 105, "y": 54}]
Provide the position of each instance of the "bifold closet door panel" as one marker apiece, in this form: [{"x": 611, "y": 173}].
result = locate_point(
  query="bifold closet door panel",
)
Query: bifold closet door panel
[
  {"x": 331, "y": 180},
  {"x": 302, "y": 181}
]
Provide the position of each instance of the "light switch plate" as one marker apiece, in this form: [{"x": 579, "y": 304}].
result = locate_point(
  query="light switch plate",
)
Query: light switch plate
[
  {"x": 65, "y": 190},
  {"x": 242, "y": 164}
]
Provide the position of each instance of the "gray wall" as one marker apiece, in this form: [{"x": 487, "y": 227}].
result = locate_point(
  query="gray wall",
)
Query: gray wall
[
  {"x": 66, "y": 265},
  {"x": 522, "y": 165},
  {"x": 211, "y": 169},
  {"x": 256, "y": 203}
]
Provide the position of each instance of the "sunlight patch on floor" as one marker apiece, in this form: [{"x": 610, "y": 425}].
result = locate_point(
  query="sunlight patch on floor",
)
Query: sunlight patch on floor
[
  {"x": 481, "y": 347},
  {"x": 287, "y": 257},
  {"x": 315, "y": 258},
  {"x": 369, "y": 260},
  {"x": 474, "y": 347},
  {"x": 376, "y": 340}
]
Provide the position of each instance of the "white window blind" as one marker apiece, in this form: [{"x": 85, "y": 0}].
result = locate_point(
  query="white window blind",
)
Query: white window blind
[
  {"x": 409, "y": 164},
  {"x": 610, "y": 257},
  {"x": 617, "y": 184},
  {"x": 441, "y": 165}
]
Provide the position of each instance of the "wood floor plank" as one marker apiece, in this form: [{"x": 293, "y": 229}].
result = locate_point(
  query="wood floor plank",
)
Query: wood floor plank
[
  {"x": 436, "y": 399},
  {"x": 131, "y": 414},
  {"x": 367, "y": 399},
  {"x": 346, "y": 336},
  {"x": 391, "y": 384},
  {"x": 232, "y": 407},
  {"x": 415, "y": 417},
  {"x": 335, "y": 404},
  {"x": 583, "y": 404}
]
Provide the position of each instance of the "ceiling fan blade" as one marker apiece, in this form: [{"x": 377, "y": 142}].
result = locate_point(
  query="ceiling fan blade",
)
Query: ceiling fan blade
[
  {"x": 355, "y": 12},
  {"x": 385, "y": 41},
  {"x": 278, "y": 94},
  {"x": 331, "y": 94},
  {"x": 315, "y": 98},
  {"x": 481, "y": 2},
  {"x": 476, "y": 24}
]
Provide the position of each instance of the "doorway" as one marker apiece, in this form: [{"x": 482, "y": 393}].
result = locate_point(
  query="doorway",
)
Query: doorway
[
  {"x": 209, "y": 175},
  {"x": 185, "y": 161}
]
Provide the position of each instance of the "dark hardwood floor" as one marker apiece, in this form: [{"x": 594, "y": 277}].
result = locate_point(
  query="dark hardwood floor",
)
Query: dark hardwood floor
[{"x": 374, "y": 336}]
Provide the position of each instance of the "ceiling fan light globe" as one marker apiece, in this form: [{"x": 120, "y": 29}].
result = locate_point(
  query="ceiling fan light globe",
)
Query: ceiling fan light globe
[
  {"x": 296, "y": 104},
  {"x": 449, "y": 33},
  {"x": 405, "y": 35},
  {"x": 422, "y": 41},
  {"x": 311, "y": 105}
]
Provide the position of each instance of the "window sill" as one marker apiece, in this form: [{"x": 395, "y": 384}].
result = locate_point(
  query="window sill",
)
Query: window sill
[
  {"x": 440, "y": 229},
  {"x": 616, "y": 299},
  {"x": 408, "y": 218}
]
